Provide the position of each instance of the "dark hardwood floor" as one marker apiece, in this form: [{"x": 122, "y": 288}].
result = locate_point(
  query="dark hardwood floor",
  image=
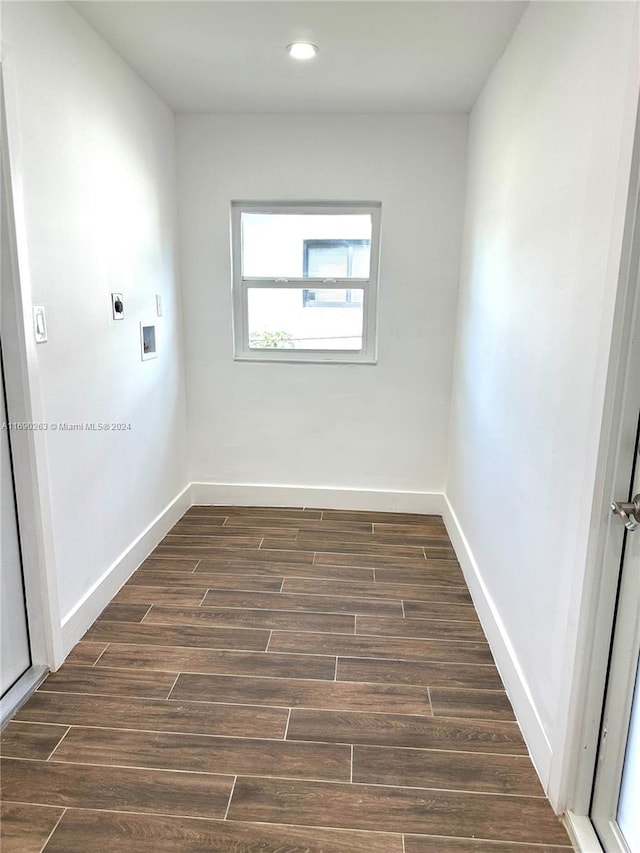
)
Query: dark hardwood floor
[{"x": 283, "y": 681}]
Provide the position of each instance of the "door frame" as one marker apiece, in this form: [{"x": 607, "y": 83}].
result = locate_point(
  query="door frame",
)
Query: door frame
[
  {"x": 598, "y": 605},
  {"x": 621, "y": 684},
  {"x": 29, "y": 451}
]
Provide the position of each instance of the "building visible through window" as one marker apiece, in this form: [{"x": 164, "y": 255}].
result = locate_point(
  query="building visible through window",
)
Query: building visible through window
[
  {"x": 335, "y": 259},
  {"x": 305, "y": 279}
]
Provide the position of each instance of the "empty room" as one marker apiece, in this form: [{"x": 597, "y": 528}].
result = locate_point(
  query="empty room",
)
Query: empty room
[{"x": 320, "y": 338}]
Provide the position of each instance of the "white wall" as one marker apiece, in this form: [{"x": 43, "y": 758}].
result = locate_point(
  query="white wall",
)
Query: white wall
[
  {"x": 380, "y": 427},
  {"x": 543, "y": 232},
  {"x": 93, "y": 151}
]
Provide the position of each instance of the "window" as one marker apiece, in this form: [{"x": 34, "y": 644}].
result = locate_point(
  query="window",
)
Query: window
[{"x": 279, "y": 250}]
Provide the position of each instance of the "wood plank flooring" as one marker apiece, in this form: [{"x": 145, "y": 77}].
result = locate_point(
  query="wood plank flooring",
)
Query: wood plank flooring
[{"x": 283, "y": 681}]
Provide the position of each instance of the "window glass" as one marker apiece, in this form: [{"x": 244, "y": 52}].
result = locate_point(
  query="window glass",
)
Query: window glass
[
  {"x": 279, "y": 320},
  {"x": 273, "y": 245}
]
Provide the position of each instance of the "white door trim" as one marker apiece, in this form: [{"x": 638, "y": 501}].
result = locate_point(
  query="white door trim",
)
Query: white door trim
[
  {"x": 24, "y": 402},
  {"x": 574, "y": 779},
  {"x": 621, "y": 679}
]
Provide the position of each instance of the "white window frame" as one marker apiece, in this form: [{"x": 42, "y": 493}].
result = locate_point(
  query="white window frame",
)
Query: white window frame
[{"x": 241, "y": 284}]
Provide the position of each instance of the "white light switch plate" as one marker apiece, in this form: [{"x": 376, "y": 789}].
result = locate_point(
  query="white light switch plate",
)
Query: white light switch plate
[
  {"x": 159, "y": 304},
  {"x": 39, "y": 324}
]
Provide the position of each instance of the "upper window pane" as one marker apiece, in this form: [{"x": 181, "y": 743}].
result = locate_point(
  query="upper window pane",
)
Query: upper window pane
[{"x": 294, "y": 245}]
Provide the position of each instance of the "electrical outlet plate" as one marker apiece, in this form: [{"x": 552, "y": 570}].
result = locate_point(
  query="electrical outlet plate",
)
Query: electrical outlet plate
[
  {"x": 39, "y": 324},
  {"x": 117, "y": 302}
]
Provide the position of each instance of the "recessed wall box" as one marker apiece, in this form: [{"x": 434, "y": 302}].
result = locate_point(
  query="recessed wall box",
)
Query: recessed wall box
[
  {"x": 117, "y": 306},
  {"x": 148, "y": 341}
]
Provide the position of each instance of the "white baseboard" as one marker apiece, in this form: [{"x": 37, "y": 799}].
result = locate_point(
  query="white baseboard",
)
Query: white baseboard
[
  {"x": 84, "y": 614},
  {"x": 503, "y": 652},
  {"x": 323, "y": 497}
]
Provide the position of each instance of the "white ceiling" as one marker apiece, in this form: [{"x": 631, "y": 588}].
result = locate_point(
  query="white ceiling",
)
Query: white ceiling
[{"x": 387, "y": 56}]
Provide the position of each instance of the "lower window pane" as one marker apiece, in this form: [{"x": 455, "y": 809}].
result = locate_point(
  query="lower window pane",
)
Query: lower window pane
[{"x": 278, "y": 319}]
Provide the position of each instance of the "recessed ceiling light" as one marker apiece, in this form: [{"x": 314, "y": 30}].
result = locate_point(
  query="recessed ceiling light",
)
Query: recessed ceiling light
[{"x": 302, "y": 50}]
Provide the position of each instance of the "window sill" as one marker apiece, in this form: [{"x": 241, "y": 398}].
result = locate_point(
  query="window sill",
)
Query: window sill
[{"x": 306, "y": 357}]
